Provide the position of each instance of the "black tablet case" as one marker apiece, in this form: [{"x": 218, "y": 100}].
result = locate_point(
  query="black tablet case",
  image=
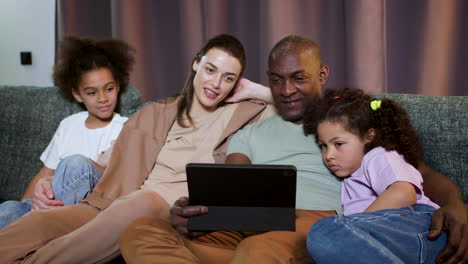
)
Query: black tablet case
[{"x": 242, "y": 197}]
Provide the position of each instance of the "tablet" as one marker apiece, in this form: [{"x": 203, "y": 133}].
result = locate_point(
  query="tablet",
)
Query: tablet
[{"x": 242, "y": 197}]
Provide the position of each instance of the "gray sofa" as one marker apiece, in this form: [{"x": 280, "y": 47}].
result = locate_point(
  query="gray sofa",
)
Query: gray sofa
[
  {"x": 442, "y": 126},
  {"x": 29, "y": 117}
]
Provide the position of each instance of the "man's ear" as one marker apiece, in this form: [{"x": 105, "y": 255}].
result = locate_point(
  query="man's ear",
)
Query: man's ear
[
  {"x": 323, "y": 77},
  {"x": 369, "y": 136},
  {"x": 77, "y": 95}
]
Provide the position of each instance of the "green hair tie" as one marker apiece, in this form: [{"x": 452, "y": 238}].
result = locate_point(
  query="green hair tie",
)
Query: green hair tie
[{"x": 375, "y": 104}]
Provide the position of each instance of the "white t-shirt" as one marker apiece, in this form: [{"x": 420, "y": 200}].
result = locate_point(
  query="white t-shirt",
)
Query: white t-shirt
[{"x": 73, "y": 137}]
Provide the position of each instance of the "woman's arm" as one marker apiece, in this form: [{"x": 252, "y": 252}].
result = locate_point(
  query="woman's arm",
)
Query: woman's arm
[
  {"x": 397, "y": 195},
  {"x": 246, "y": 89}
]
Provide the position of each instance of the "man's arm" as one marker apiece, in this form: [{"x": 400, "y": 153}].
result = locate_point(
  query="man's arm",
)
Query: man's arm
[
  {"x": 452, "y": 215},
  {"x": 181, "y": 210},
  {"x": 439, "y": 187},
  {"x": 180, "y": 213},
  {"x": 43, "y": 172}
]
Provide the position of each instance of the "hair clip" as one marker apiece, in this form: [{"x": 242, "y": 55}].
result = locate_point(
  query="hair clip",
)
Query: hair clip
[{"x": 375, "y": 104}]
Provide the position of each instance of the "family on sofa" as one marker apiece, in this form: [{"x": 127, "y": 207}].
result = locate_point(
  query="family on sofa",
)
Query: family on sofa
[{"x": 138, "y": 206}]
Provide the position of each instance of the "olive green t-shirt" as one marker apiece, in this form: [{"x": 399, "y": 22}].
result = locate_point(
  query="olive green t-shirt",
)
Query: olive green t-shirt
[{"x": 276, "y": 141}]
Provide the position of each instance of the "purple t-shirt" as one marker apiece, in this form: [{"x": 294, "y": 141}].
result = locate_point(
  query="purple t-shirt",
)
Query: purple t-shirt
[{"x": 379, "y": 169}]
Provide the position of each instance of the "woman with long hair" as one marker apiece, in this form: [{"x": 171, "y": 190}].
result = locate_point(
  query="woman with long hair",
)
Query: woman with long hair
[{"x": 146, "y": 171}]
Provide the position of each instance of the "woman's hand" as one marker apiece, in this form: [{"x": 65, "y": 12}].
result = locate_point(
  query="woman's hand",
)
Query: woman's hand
[
  {"x": 246, "y": 89},
  {"x": 43, "y": 197},
  {"x": 180, "y": 212}
]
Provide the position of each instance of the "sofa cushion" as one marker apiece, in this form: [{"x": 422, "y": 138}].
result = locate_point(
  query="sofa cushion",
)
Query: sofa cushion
[
  {"x": 29, "y": 117},
  {"x": 442, "y": 126}
]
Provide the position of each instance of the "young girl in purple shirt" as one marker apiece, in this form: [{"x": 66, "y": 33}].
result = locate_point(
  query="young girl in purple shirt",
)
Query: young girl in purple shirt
[{"x": 372, "y": 146}]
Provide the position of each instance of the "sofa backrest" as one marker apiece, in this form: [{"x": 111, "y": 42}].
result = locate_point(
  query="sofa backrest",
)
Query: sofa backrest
[
  {"x": 29, "y": 117},
  {"x": 442, "y": 126}
]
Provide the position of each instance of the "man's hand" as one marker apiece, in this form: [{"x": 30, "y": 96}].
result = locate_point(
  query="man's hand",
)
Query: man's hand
[
  {"x": 43, "y": 197},
  {"x": 452, "y": 219},
  {"x": 180, "y": 212}
]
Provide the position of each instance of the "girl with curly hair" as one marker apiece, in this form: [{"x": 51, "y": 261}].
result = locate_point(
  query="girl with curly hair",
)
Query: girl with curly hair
[
  {"x": 372, "y": 146},
  {"x": 146, "y": 171},
  {"x": 93, "y": 73}
]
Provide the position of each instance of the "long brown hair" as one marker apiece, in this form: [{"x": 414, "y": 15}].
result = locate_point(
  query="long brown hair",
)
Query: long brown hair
[{"x": 224, "y": 42}]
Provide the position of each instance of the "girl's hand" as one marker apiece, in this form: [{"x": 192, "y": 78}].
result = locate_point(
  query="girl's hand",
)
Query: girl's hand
[
  {"x": 398, "y": 194},
  {"x": 43, "y": 197},
  {"x": 246, "y": 89}
]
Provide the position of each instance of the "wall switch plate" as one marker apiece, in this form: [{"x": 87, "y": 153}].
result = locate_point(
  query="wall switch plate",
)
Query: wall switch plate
[{"x": 26, "y": 58}]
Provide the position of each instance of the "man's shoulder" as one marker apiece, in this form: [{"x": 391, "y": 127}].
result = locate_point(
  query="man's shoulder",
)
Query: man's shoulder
[{"x": 266, "y": 124}]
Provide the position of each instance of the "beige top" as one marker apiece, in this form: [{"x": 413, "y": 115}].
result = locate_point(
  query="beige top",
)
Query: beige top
[{"x": 189, "y": 145}]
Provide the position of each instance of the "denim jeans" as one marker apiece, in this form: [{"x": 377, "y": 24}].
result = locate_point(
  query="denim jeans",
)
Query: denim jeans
[
  {"x": 74, "y": 178},
  {"x": 386, "y": 236}
]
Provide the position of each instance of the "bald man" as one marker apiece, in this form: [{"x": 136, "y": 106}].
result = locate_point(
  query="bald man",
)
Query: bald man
[{"x": 296, "y": 75}]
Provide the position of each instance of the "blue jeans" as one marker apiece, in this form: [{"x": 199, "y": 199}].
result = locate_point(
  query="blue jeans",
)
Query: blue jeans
[
  {"x": 74, "y": 178},
  {"x": 386, "y": 236}
]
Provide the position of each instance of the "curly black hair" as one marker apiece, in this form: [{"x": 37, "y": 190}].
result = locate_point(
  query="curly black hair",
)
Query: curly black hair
[
  {"x": 80, "y": 55},
  {"x": 351, "y": 107}
]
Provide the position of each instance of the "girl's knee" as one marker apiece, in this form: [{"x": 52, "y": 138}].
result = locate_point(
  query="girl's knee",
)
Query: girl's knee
[
  {"x": 74, "y": 174},
  {"x": 74, "y": 161}
]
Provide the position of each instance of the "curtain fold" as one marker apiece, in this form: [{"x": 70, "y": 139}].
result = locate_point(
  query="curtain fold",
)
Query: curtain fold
[{"x": 393, "y": 46}]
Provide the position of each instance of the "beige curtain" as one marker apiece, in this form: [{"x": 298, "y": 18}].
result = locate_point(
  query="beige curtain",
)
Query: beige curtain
[{"x": 394, "y": 46}]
